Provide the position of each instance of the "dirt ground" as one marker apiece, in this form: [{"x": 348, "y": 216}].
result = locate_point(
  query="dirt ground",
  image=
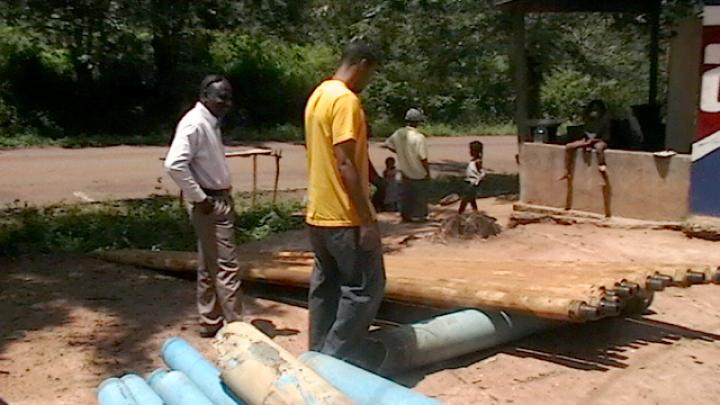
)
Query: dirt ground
[
  {"x": 66, "y": 323},
  {"x": 49, "y": 175}
]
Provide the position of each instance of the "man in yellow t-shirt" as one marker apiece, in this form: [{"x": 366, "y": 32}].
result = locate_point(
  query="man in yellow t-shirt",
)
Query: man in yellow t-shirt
[{"x": 348, "y": 278}]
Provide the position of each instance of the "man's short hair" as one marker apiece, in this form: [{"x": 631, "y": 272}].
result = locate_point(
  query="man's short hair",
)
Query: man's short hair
[
  {"x": 596, "y": 105},
  {"x": 358, "y": 50},
  {"x": 208, "y": 81}
]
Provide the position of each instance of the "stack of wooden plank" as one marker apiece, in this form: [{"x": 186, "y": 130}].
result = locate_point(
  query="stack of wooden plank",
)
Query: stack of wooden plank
[{"x": 567, "y": 291}]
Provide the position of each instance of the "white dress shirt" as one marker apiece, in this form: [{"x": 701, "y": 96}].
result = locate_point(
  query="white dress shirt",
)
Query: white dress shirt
[{"x": 196, "y": 159}]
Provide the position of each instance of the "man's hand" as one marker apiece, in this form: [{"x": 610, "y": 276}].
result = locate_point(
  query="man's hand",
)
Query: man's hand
[
  {"x": 205, "y": 206},
  {"x": 370, "y": 236}
]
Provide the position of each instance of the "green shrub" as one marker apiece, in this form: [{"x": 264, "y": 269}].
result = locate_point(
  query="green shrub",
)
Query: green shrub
[
  {"x": 566, "y": 91},
  {"x": 154, "y": 223},
  {"x": 271, "y": 79}
]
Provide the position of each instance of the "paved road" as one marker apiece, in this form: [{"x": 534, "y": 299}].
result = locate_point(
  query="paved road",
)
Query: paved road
[{"x": 48, "y": 175}]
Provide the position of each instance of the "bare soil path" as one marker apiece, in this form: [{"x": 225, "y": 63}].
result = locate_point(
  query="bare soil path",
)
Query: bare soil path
[
  {"x": 49, "y": 175},
  {"x": 68, "y": 322}
]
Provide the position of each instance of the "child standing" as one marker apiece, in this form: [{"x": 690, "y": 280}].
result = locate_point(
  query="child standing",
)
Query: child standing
[
  {"x": 392, "y": 190},
  {"x": 474, "y": 174}
]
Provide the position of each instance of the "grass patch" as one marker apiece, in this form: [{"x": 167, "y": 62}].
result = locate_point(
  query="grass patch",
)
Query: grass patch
[
  {"x": 441, "y": 129},
  {"x": 159, "y": 223},
  {"x": 279, "y": 133},
  {"x": 384, "y": 128},
  {"x": 81, "y": 141},
  {"x": 24, "y": 140}
]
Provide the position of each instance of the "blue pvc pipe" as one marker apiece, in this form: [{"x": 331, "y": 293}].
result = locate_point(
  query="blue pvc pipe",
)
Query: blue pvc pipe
[
  {"x": 363, "y": 387},
  {"x": 157, "y": 374},
  {"x": 114, "y": 392},
  {"x": 451, "y": 335},
  {"x": 178, "y": 354},
  {"x": 175, "y": 388},
  {"x": 141, "y": 391}
]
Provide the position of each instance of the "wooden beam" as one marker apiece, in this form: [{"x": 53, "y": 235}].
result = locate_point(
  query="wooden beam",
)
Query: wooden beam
[{"x": 249, "y": 153}]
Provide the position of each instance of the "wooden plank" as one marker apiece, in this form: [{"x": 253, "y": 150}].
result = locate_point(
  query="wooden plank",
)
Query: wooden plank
[
  {"x": 249, "y": 153},
  {"x": 243, "y": 153}
]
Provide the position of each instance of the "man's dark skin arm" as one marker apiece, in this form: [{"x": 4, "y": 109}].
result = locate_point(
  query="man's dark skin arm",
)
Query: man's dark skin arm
[{"x": 353, "y": 184}]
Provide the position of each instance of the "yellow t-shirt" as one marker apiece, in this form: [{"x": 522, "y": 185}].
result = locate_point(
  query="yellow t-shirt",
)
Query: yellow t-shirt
[{"x": 333, "y": 115}]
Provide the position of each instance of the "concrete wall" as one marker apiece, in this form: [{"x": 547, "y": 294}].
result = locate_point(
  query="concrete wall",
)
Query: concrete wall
[
  {"x": 641, "y": 185},
  {"x": 684, "y": 84}
]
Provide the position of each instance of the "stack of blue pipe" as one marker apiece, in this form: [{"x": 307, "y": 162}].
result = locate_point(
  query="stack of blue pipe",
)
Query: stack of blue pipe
[{"x": 193, "y": 380}]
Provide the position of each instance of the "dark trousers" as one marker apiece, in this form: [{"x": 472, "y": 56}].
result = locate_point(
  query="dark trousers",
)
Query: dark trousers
[
  {"x": 413, "y": 200},
  {"x": 346, "y": 289}
]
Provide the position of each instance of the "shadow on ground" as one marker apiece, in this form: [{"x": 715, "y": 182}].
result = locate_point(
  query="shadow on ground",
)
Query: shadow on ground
[
  {"x": 115, "y": 309},
  {"x": 451, "y": 181},
  {"x": 595, "y": 346}
]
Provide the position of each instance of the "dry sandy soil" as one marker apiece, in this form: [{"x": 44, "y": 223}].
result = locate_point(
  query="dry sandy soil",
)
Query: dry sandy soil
[{"x": 66, "y": 323}]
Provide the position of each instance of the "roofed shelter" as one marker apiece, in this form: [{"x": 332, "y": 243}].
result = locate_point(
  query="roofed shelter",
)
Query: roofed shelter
[
  {"x": 641, "y": 185},
  {"x": 519, "y": 8}
]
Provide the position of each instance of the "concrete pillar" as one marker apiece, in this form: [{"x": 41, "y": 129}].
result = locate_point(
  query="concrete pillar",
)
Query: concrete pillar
[
  {"x": 520, "y": 69},
  {"x": 683, "y": 84},
  {"x": 654, "y": 53}
]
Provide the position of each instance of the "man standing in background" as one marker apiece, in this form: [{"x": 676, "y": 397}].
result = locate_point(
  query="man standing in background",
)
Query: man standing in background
[
  {"x": 196, "y": 162},
  {"x": 348, "y": 280},
  {"x": 412, "y": 160}
]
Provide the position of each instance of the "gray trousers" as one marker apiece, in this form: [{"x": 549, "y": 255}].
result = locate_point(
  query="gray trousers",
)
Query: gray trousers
[
  {"x": 218, "y": 277},
  {"x": 346, "y": 289},
  {"x": 413, "y": 199}
]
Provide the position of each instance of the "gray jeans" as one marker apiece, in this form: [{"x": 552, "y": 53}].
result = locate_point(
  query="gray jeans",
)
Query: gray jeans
[
  {"x": 346, "y": 289},
  {"x": 218, "y": 278}
]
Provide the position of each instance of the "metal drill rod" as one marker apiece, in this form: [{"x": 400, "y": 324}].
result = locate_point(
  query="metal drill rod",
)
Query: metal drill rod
[
  {"x": 609, "y": 308},
  {"x": 655, "y": 284},
  {"x": 588, "y": 312},
  {"x": 634, "y": 287},
  {"x": 694, "y": 277},
  {"x": 667, "y": 279},
  {"x": 612, "y": 296},
  {"x": 622, "y": 291},
  {"x": 716, "y": 276}
]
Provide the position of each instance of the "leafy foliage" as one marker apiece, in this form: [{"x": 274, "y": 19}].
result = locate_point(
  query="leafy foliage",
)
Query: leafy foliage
[{"x": 85, "y": 67}]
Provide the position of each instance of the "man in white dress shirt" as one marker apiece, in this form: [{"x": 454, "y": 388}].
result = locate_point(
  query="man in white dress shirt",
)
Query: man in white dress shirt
[{"x": 196, "y": 162}]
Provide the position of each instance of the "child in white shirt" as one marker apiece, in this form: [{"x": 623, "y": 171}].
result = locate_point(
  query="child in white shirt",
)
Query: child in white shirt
[{"x": 474, "y": 174}]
